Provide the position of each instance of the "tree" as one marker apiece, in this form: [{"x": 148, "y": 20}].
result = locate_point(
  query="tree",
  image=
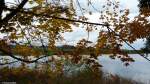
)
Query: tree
[
  {"x": 46, "y": 20},
  {"x": 43, "y": 20},
  {"x": 2, "y": 4},
  {"x": 144, "y": 6},
  {"x": 146, "y": 48}
]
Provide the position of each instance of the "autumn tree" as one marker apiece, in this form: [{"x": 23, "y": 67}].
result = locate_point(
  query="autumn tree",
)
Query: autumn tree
[
  {"x": 43, "y": 21},
  {"x": 144, "y": 6},
  {"x": 146, "y": 48}
]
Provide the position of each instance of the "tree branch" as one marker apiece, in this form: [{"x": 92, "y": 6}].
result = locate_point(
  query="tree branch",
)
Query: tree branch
[
  {"x": 20, "y": 59},
  {"x": 60, "y": 18},
  {"x": 2, "y": 5},
  {"x": 13, "y": 13}
]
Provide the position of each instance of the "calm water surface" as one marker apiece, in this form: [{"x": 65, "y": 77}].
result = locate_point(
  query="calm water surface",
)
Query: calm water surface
[{"x": 138, "y": 70}]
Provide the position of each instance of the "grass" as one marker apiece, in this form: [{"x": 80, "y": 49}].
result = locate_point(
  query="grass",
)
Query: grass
[{"x": 22, "y": 75}]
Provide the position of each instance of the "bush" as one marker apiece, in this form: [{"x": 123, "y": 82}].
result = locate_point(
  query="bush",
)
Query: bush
[{"x": 22, "y": 75}]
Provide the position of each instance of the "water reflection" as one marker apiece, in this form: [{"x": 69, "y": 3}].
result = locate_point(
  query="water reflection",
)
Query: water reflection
[{"x": 138, "y": 70}]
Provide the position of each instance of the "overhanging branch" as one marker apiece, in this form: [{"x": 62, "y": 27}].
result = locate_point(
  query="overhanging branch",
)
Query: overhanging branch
[
  {"x": 71, "y": 20},
  {"x": 60, "y": 18},
  {"x": 20, "y": 59},
  {"x": 13, "y": 13}
]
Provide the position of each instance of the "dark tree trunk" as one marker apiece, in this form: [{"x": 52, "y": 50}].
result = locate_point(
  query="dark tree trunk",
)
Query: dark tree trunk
[
  {"x": 2, "y": 5},
  {"x": 144, "y": 7}
]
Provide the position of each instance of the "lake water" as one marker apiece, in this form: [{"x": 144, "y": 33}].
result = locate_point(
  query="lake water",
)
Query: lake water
[{"x": 138, "y": 70}]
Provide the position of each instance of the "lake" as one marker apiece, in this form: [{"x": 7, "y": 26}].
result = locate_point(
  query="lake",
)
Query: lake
[{"x": 138, "y": 70}]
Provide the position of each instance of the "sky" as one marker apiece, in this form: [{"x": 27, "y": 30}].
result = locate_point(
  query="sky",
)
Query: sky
[{"x": 79, "y": 33}]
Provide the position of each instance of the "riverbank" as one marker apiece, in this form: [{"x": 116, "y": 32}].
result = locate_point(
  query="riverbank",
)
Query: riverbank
[
  {"x": 24, "y": 75},
  {"x": 137, "y": 71}
]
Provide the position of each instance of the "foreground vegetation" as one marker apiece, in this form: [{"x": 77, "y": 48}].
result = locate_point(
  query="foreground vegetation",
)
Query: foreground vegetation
[
  {"x": 45, "y": 23},
  {"x": 24, "y": 75}
]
